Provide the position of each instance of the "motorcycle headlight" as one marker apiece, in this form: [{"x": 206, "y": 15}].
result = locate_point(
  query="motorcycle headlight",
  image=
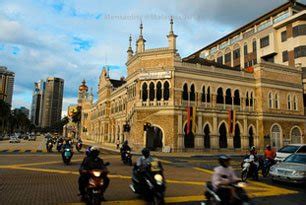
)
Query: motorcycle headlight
[
  {"x": 241, "y": 184},
  {"x": 158, "y": 178},
  {"x": 96, "y": 173}
]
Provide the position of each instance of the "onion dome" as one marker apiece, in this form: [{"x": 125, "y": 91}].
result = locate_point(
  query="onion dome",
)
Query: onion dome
[{"x": 83, "y": 87}]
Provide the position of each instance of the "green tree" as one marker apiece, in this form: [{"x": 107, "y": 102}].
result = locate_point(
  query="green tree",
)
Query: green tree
[
  {"x": 5, "y": 112},
  {"x": 76, "y": 118}
]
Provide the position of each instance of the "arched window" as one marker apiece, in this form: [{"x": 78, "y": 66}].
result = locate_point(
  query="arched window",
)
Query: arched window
[
  {"x": 206, "y": 137},
  {"x": 276, "y": 101},
  {"x": 220, "y": 98},
  {"x": 236, "y": 97},
  {"x": 144, "y": 92},
  {"x": 289, "y": 102},
  {"x": 166, "y": 91},
  {"x": 228, "y": 97},
  {"x": 203, "y": 99},
  {"x": 208, "y": 95},
  {"x": 295, "y": 103},
  {"x": 251, "y": 99},
  {"x": 192, "y": 93},
  {"x": 247, "y": 100},
  {"x": 159, "y": 91},
  {"x": 151, "y": 92},
  {"x": 270, "y": 100},
  {"x": 185, "y": 92}
]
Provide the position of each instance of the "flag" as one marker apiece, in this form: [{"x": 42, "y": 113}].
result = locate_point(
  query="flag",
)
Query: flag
[
  {"x": 188, "y": 120},
  {"x": 230, "y": 120},
  {"x": 233, "y": 120}
]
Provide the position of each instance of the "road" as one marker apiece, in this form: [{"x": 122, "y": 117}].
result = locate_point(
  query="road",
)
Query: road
[{"x": 29, "y": 175}]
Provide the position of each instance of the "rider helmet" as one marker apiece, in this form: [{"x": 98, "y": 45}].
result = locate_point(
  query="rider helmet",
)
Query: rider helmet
[
  {"x": 94, "y": 152},
  {"x": 145, "y": 152},
  {"x": 223, "y": 160}
]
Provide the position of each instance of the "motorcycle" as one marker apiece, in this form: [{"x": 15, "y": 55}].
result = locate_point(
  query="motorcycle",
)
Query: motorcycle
[
  {"x": 240, "y": 196},
  {"x": 150, "y": 183},
  {"x": 127, "y": 158},
  {"x": 94, "y": 190},
  {"x": 248, "y": 169},
  {"x": 265, "y": 167},
  {"x": 59, "y": 146},
  {"x": 49, "y": 147},
  {"x": 67, "y": 155},
  {"x": 79, "y": 146}
]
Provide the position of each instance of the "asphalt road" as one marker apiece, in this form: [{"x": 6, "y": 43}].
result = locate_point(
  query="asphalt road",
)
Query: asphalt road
[{"x": 41, "y": 178}]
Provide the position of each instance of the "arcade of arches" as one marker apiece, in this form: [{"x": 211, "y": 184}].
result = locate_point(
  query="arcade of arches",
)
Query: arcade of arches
[{"x": 238, "y": 139}]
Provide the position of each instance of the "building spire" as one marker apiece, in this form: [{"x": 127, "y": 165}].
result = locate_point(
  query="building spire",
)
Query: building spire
[
  {"x": 140, "y": 28},
  {"x": 171, "y": 26},
  {"x": 140, "y": 44},
  {"x": 130, "y": 50},
  {"x": 172, "y": 37}
]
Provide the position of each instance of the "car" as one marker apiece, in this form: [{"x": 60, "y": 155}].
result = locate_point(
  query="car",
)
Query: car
[
  {"x": 287, "y": 150},
  {"x": 292, "y": 169},
  {"x": 14, "y": 140},
  {"x": 32, "y": 138}
]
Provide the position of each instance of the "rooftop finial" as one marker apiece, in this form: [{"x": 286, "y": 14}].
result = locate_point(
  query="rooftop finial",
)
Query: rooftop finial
[
  {"x": 141, "y": 27},
  {"x": 130, "y": 41},
  {"x": 171, "y": 25}
]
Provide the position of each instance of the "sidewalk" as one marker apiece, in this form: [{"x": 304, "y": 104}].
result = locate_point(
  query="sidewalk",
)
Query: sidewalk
[{"x": 207, "y": 154}]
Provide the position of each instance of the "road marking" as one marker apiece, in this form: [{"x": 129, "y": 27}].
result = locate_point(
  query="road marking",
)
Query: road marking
[{"x": 207, "y": 171}]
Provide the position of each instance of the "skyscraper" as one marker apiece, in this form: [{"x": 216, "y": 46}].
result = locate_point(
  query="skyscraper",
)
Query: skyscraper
[
  {"x": 37, "y": 101},
  {"x": 6, "y": 84},
  {"x": 52, "y": 101}
]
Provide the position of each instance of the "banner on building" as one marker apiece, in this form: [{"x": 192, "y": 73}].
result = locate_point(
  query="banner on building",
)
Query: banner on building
[
  {"x": 188, "y": 120},
  {"x": 231, "y": 120},
  {"x": 194, "y": 113}
]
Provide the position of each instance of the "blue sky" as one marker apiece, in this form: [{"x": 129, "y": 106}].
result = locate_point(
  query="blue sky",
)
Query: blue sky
[{"x": 74, "y": 39}]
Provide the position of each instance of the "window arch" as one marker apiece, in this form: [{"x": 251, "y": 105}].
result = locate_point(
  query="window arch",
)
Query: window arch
[
  {"x": 208, "y": 94},
  {"x": 236, "y": 97},
  {"x": 276, "y": 101},
  {"x": 228, "y": 96},
  {"x": 159, "y": 91},
  {"x": 192, "y": 93},
  {"x": 203, "y": 99},
  {"x": 185, "y": 92},
  {"x": 295, "y": 103},
  {"x": 247, "y": 100},
  {"x": 220, "y": 98},
  {"x": 166, "y": 91},
  {"x": 289, "y": 102},
  {"x": 251, "y": 99},
  {"x": 144, "y": 92},
  {"x": 270, "y": 100},
  {"x": 151, "y": 91}
]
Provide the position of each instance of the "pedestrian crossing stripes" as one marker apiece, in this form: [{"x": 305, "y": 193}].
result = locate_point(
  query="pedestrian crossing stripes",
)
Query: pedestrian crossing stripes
[{"x": 24, "y": 151}]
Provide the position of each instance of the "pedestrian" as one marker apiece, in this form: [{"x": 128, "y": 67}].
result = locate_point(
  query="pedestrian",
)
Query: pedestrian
[{"x": 117, "y": 143}]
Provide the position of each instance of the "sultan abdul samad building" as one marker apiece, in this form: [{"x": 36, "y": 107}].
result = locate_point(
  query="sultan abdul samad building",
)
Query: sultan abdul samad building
[{"x": 244, "y": 89}]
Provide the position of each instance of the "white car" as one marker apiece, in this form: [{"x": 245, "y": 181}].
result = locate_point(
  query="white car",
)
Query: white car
[
  {"x": 287, "y": 150},
  {"x": 14, "y": 140}
]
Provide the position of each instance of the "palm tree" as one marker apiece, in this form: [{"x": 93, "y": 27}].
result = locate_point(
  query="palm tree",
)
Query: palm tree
[{"x": 76, "y": 118}]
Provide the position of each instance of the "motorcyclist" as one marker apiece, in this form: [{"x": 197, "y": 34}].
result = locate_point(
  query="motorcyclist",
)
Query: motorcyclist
[
  {"x": 224, "y": 175},
  {"x": 144, "y": 160},
  {"x": 270, "y": 154},
  {"x": 125, "y": 147},
  {"x": 254, "y": 160},
  {"x": 90, "y": 162}
]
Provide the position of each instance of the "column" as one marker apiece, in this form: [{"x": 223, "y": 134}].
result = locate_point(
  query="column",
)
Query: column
[
  {"x": 230, "y": 141},
  {"x": 180, "y": 138},
  {"x": 224, "y": 98},
  {"x": 232, "y": 102},
  {"x": 244, "y": 139},
  {"x": 214, "y": 136},
  {"x": 199, "y": 137}
]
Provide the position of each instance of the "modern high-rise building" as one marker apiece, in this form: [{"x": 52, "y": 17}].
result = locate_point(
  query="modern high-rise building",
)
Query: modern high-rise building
[
  {"x": 37, "y": 101},
  {"x": 6, "y": 84},
  {"x": 52, "y": 101}
]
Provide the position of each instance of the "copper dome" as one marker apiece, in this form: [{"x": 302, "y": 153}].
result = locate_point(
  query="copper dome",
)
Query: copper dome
[{"x": 83, "y": 87}]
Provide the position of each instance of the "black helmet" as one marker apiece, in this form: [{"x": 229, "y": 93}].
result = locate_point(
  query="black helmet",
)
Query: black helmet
[
  {"x": 94, "y": 152},
  {"x": 145, "y": 152},
  {"x": 126, "y": 142},
  {"x": 223, "y": 159}
]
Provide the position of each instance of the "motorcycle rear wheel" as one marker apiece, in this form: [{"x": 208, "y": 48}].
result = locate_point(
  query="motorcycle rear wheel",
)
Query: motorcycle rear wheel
[{"x": 244, "y": 176}]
